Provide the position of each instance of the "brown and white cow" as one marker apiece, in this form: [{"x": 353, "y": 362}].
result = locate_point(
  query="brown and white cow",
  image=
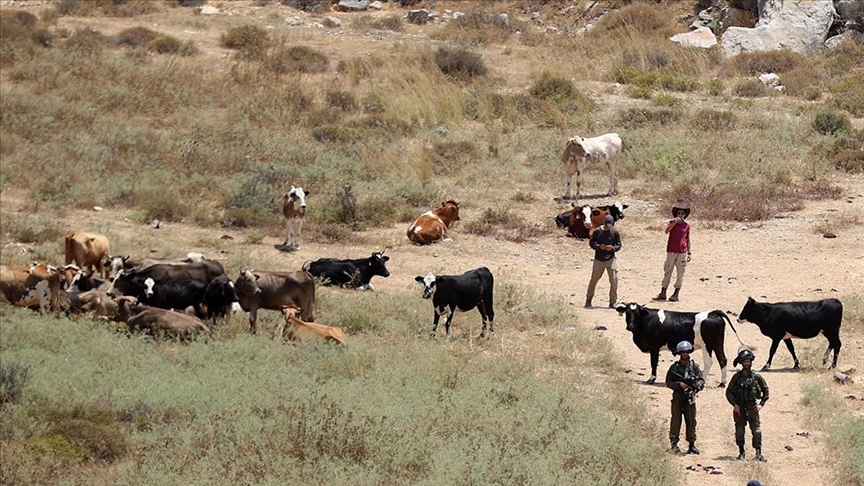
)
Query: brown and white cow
[
  {"x": 294, "y": 210},
  {"x": 293, "y": 329},
  {"x": 87, "y": 250},
  {"x": 31, "y": 286},
  {"x": 162, "y": 321},
  {"x": 432, "y": 226},
  {"x": 272, "y": 290},
  {"x": 583, "y": 152}
]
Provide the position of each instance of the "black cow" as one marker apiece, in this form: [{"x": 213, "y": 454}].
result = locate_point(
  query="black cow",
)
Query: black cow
[
  {"x": 464, "y": 292},
  {"x": 130, "y": 282},
  {"x": 654, "y": 328},
  {"x": 802, "y": 320},
  {"x": 219, "y": 297},
  {"x": 350, "y": 274},
  {"x": 174, "y": 294}
]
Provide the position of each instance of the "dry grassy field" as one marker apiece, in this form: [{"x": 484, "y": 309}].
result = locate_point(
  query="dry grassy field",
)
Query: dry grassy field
[{"x": 152, "y": 110}]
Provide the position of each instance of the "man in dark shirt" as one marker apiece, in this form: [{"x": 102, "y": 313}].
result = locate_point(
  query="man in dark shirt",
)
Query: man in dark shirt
[{"x": 605, "y": 242}]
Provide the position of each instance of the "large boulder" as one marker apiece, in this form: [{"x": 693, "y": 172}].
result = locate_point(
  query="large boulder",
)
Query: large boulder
[
  {"x": 701, "y": 37},
  {"x": 799, "y": 26}
]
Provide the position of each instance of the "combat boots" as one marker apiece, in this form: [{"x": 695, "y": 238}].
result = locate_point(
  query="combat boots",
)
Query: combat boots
[
  {"x": 692, "y": 449},
  {"x": 740, "y": 453},
  {"x": 674, "y": 448},
  {"x": 759, "y": 456},
  {"x": 674, "y": 297},
  {"x": 661, "y": 295}
]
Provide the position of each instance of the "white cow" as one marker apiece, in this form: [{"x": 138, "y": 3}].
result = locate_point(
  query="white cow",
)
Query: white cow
[
  {"x": 294, "y": 210},
  {"x": 581, "y": 152}
]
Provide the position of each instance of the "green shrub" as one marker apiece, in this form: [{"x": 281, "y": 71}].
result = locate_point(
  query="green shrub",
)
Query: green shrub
[
  {"x": 560, "y": 91},
  {"x": 715, "y": 87},
  {"x": 639, "y": 117},
  {"x": 751, "y": 88},
  {"x": 831, "y": 123},
  {"x": 296, "y": 59},
  {"x": 459, "y": 63},
  {"x": 845, "y": 152},
  {"x": 13, "y": 377},
  {"x": 663, "y": 99},
  {"x": 639, "y": 92},
  {"x": 709, "y": 119},
  {"x": 136, "y": 36},
  {"x": 335, "y": 134}
]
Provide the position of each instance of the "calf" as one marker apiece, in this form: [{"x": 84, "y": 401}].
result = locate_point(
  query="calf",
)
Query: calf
[
  {"x": 350, "y": 274},
  {"x": 582, "y": 152},
  {"x": 451, "y": 293},
  {"x": 654, "y": 328},
  {"x": 802, "y": 320},
  {"x": 272, "y": 290},
  {"x": 432, "y": 226},
  {"x": 162, "y": 321},
  {"x": 87, "y": 250},
  {"x": 294, "y": 210},
  {"x": 293, "y": 329}
]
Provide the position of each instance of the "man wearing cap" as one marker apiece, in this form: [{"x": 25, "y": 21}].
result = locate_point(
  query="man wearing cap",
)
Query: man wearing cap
[
  {"x": 605, "y": 241},
  {"x": 677, "y": 250},
  {"x": 747, "y": 393}
]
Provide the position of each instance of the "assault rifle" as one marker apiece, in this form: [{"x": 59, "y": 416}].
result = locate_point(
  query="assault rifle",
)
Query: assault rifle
[{"x": 693, "y": 387}]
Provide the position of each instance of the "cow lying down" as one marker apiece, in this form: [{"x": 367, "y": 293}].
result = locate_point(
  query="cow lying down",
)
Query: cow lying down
[
  {"x": 164, "y": 322},
  {"x": 293, "y": 329}
]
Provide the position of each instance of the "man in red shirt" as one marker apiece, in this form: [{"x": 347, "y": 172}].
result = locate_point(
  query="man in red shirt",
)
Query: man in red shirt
[{"x": 677, "y": 250}]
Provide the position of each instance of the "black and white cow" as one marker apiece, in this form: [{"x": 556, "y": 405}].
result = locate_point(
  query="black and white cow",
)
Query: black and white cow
[
  {"x": 654, "y": 328},
  {"x": 451, "y": 293},
  {"x": 351, "y": 274},
  {"x": 174, "y": 294},
  {"x": 802, "y": 320},
  {"x": 219, "y": 299}
]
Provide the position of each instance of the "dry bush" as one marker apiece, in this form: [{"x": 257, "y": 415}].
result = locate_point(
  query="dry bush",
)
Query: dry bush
[
  {"x": 250, "y": 40},
  {"x": 390, "y": 22},
  {"x": 166, "y": 44},
  {"x": 709, "y": 119},
  {"x": 633, "y": 118},
  {"x": 831, "y": 123},
  {"x": 344, "y": 100},
  {"x": 634, "y": 20},
  {"x": 561, "y": 91},
  {"x": 109, "y": 8},
  {"x": 751, "y": 88},
  {"x": 502, "y": 223},
  {"x": 449, "y": 157},
  {"x": 359, "y": 68},
  {"x": 312, "y": 6},
  {"x": 755, "y": 63},
  {"x": 479, "y": 28},
  {"x": 848, "y": 93},
  {"x": 13, "y": 377},
  {"x": 332, "y": 133},
  {"x": 296, "y": 59},
  {"x": 459, "y": 63},
  {"x": 715, "y": 87},
  {"x": 136, "y": 36},
  {"x": 664, "y": 99},
  {"x": 845, "y": 152}
]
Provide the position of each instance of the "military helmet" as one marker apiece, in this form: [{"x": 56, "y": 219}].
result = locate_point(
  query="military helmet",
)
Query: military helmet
[
  {"x": 743, "y": 355},
  {"x": 684, "y": 346}
]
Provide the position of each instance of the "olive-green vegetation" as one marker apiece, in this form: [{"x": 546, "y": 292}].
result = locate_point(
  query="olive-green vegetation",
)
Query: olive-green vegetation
[{"x": 142, "y": 120}]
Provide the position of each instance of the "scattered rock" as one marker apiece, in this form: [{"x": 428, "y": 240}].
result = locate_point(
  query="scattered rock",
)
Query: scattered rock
[
  {"x": 351, "y": 5},
  {"x": 227, "y": 237},
  {"x": 293, "y": 21},
  {"x": 843, "y": 378},
  {"x": 803, "y": 434},
  {"x": 208, "y": 10},
  {"x": 789, "y": 447},
  {"x": 599, "y": 328},
  {"x": 97, "y": 208},
  {"x": 701, "y": 38},
  {"x": 157, "y": 224},
  {"x": 331, "y": 21},
  {"x": 829, "y": 235}
]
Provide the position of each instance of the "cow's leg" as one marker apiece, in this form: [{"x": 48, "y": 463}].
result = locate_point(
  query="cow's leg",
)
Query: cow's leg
[
  {"x": 449, "y": 322},
  {"x": 722, "y": 361},
  {"x": 569, "y": 182},
  {"x": 580, "y": 176},
  {"x": 655, "y": 358},
  {"x": 791, "y": 349},
  {"x": 613, "y": 177},
  {"x": 484, "y": 312},
  {"x": 298, "y": 227},
  {"x": 833, "y": 343},
  {"x": 436, "y": 317},
  {"x": 706, "y": 362},
  {"x": 774, "y": 344},
  {"x": 253, "y": 320}
]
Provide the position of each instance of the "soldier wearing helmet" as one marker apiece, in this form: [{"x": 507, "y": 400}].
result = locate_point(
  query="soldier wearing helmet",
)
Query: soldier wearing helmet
[
  {"x": 685, "y": 379},
  {"x": 747, "y": 393}
]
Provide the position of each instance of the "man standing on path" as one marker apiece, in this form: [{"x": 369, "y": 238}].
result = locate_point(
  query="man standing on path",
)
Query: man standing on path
[
  {"x": 677, "y": 250},
  {"x": 605, "y": 241},
  {"x": 746, "y": 388},
  {"x": 686, "y": 380}
]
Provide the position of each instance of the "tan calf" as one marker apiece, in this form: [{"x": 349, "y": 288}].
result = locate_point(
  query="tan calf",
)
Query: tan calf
[{"x": 293, "y": 329}]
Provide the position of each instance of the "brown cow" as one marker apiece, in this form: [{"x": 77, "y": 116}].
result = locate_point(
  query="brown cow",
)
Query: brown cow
[
  {"x": 20, "y": 285},
  {"x": 294, "y": 210},
  {"x": 163, "y": 321},
  {"x": 433, "y": 225},
  {"x": 87, "y": 250},
  {"x": 293, "y": 329},
  {"x": 271, "y": 290},
  {"x": 101, "y": 305}
]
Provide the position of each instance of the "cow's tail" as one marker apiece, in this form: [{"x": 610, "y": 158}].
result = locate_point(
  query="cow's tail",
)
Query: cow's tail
[
  {"x": 67, "y": 246},
  {"x": 724, "y": 316}
]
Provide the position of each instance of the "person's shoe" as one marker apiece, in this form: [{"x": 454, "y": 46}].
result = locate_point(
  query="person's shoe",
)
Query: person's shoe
[
  {"x": 740, "y": 453},
  {"x": 759, "y": 457},
  {"x": 611, "y": 305},
  {"x": 692, "y": 449},
  {"x": 674, "y": 297},
  {"x": 661, "y": 295},
  {"x": 675, "y": 450},
  {"x": 587, "y": 303}
]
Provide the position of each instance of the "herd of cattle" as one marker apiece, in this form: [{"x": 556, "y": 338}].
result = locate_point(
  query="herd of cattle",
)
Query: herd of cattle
[{"x": 145, "y": 293}]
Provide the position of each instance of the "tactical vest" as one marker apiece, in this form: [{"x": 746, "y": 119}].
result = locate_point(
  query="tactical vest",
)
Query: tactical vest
[{"x": 748, "y": 389}]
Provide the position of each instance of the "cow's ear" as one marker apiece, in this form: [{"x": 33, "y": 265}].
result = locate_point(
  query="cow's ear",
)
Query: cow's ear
[
  {"x": 257, "y": 276},
  {"x": 625, "y": 206},
  {"x": 418, "y": 279},
  {"x": 308, "y": 193},
  {"x": 386, "y": 258},
  {"x": 126, "y": 258}
]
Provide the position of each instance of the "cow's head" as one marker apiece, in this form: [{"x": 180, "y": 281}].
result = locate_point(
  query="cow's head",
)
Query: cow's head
[
  {"x": 117, "y": 263},
  {"x": 576, "y": 148},
  {"x": 297, "y": 196},
  {"x": 750, "y": 312},
  {"x": 617, "y": 210},
  {"x": 247, "y": 283},
  {"x": 291, "y": 310},
  {"x": 428, "y": 285},
  {"x": 449, "y": 211},
  {"x": 377, "y": 263},
  {"x": 632, "y": 312},
  {"x": 148, "y": 287}
]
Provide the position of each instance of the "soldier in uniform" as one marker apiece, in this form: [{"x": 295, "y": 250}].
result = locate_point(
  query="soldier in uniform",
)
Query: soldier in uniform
[
  {"x": 747, "y": 393},
  {"x": 685, "y": 379}
]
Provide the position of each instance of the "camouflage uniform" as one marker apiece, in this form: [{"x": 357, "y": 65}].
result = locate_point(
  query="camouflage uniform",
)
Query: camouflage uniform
[
  {"x": 681, "y": 405},
  {"x": 745, "y": 391}
]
